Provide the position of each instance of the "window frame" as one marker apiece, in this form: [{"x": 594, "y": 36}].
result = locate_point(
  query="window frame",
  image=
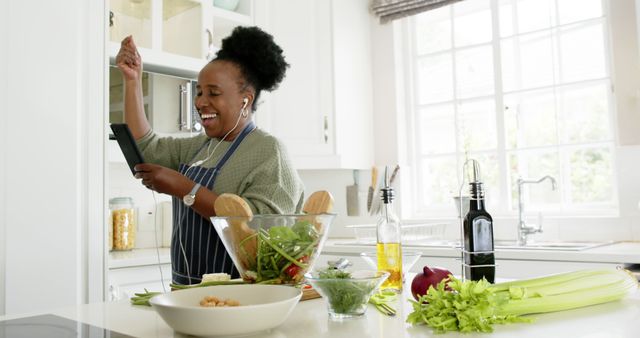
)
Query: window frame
[{"x": 504, "y": 207}]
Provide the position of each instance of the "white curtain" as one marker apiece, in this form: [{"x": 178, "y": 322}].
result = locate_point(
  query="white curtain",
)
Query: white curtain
[{"x": 389, "y": 10}]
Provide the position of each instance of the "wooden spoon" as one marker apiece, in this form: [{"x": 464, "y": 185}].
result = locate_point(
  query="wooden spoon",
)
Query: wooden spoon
[
  {"x": 320, "y": 202},
  {"x": 230, "y": 205}
]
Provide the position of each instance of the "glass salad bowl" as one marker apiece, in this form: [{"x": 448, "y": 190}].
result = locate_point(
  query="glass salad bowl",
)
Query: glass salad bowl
[
  {"x": 346, "y": 293},
  {"x": 273, "y": 249},
  {"x": 409, "y": 259}
]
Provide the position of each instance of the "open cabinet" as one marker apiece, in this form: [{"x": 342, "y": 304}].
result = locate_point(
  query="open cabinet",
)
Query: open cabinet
[{"x": 175, "y": 38}]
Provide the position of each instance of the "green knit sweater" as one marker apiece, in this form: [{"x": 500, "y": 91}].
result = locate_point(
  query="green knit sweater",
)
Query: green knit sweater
[{"x": 259, "y": 170}]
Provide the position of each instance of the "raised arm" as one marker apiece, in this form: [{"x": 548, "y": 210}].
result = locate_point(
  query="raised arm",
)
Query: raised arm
[{"x": 130, "y": 64}]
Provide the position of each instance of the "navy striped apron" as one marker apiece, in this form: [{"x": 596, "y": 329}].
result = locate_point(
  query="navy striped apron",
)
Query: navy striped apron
[{"x": 196, "y": 248}]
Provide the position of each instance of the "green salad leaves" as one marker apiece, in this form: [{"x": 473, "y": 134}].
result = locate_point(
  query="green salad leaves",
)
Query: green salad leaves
[
  {"x": 344, "y": 294},
  {"x": 283, "y": 253}
]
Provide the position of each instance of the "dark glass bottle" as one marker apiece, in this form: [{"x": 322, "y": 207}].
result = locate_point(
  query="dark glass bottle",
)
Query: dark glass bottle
[{"x": 478, "y": 237}]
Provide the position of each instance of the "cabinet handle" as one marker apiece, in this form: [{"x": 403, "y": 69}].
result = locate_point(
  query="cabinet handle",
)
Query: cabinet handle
[
  {"x": 184, "y": 120},
  {"x": 326, "y": 129},
  {"x": 210, "y": 44}
]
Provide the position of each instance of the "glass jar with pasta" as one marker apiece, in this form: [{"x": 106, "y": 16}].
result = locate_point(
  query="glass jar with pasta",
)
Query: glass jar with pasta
[{"x": 123, "y": 223}]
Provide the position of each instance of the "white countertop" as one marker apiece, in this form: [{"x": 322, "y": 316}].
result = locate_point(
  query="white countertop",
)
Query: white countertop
[
  {"x": 616, "y": 253},
  {"x": 309, "y": 319}
]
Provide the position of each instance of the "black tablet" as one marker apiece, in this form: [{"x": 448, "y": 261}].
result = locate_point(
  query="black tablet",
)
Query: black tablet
[{"x": 127, "y": 145}]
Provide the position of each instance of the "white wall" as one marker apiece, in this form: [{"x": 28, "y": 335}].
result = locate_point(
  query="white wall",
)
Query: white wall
[
  {"x": 4, "y": 39},
  {"x": 52, "y": 181}
]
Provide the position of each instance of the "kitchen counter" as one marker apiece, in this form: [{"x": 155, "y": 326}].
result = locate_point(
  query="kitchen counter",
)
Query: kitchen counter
[
  {"x": 310, "y": 319},
  {"x": 616, "y": 253}
]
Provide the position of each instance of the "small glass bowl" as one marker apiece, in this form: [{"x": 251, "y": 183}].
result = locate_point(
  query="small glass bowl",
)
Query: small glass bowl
[
  {"x": 347, "y": 297},
  {"x": 409, "y": 259}
]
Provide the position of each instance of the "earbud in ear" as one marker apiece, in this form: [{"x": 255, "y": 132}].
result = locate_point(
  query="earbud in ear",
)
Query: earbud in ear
[{"x": 243, "y": 111}]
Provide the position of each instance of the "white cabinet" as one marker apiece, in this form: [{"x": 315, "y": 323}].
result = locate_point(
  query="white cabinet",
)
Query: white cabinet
[
  {"x": 123, "y": 283},
  {"x": 175, "y": 39},
  {"x": 322, "y": 110},
  {"x": 174, "y": 36}
]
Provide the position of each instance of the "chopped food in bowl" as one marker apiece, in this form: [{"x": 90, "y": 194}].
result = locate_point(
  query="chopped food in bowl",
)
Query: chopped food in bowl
[
  {"x": 346, "y": 293},
  {"x": 267, "y": 306},
  {"x": 273, "y": 249}
]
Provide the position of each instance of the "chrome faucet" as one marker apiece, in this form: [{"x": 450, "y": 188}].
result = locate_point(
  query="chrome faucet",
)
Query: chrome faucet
[{"x": 523, "y": 229}]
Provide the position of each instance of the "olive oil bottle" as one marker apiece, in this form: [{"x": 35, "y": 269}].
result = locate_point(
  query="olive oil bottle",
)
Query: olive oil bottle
[
  {"x": 479, "y": 260},
  {"x": 389, "y": 249}
]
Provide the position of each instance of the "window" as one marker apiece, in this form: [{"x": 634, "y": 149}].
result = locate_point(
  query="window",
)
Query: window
[{"x": 524, "y": 87}]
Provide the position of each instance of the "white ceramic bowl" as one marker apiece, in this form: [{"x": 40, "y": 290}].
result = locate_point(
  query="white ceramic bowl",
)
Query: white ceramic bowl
[{"x": 262, "y": 307}]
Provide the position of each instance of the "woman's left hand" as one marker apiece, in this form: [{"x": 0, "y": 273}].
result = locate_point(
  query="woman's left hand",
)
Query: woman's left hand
[{"x": 163, "y": 179}]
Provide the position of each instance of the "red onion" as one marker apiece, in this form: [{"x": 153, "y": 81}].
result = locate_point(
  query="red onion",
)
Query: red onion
[{"x": 428, "y": 277}]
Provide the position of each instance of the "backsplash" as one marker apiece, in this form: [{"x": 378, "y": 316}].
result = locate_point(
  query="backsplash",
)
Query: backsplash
[
  {"x": 620, "y": 228},
  {"x": 150, "y": 212}
]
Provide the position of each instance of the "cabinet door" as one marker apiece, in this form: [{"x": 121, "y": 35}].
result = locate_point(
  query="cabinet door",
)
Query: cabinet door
[
  {"x": 124, "y": 282},
  {"x": 322, "y": 111},
  {"x": 299, "y": 111},
  {"x": 352, "y": 83}
]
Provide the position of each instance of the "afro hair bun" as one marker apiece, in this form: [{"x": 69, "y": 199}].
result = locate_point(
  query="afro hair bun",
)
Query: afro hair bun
[{"x": 259, "y": 57}]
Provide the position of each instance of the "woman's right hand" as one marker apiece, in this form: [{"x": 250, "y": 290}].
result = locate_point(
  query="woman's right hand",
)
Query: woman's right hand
[{"x": 128, "y": 60}]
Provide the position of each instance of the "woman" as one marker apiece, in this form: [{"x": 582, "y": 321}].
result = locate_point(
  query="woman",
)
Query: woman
[{"x": 232, "y": 156}]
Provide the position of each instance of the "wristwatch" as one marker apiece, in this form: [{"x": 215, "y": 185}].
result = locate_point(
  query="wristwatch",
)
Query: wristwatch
[{"x": 190, "y": 198}]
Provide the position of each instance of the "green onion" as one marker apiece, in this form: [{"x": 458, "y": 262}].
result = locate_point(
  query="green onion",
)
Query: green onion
[
  {"x": 380, "y": 300},
  {"x": 474, "y": 306},
  {"x": 142, "y": 298}
]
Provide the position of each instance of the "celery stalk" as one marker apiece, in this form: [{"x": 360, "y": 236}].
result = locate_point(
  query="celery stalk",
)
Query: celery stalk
[
  {"x": 555, "y": 287},
  {"x": 477, "y": 305},
  {"x": 566, "y": 301},
  {"x": 557, "y": 278}
]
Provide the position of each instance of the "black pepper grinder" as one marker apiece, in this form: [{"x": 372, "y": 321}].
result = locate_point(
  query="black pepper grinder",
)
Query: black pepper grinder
[{"x": 479, "y": 258}]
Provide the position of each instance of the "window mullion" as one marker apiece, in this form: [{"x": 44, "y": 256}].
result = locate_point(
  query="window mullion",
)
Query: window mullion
[
  {"x": 504, "y": 199},
  {"x": 556, "y": 55},
  {"x": 456, "y": 117}
]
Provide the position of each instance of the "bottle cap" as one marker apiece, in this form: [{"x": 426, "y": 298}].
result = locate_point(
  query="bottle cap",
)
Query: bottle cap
[{"x": 387, "y": 195}]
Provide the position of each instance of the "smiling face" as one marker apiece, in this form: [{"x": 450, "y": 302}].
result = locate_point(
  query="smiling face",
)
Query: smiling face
[{"x": 221, "y": 90}]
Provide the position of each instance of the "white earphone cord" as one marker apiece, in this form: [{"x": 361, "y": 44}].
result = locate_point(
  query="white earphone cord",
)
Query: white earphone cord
[
  {"x": 155, "y": 230},
  {"x": 241, "y": 114}
]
